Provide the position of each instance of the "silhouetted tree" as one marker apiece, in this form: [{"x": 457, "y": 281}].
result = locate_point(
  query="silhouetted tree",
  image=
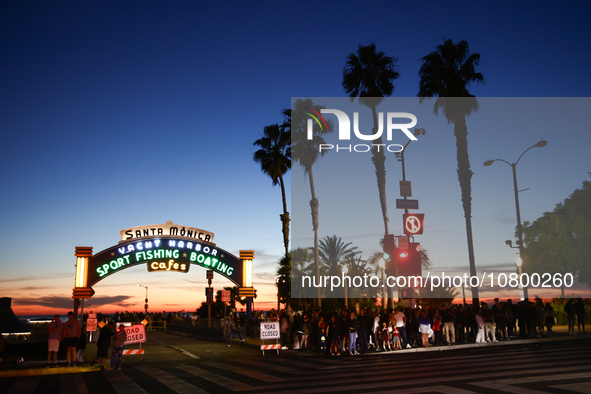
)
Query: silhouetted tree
[
  {"x": 560, "y": 241},
  {"x": 333, "y": 253},
  {"x": 369, "y": 75},
  {"x": 274, "y": 156},
  {"x": 306, "y": 152},
  {"x": 447, "y": 73}
]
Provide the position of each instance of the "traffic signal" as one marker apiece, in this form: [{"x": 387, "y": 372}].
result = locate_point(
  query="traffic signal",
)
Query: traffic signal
[
  {"x": 389, "y": 254},
  {"x": 408, "y": 293},
  {"x": 402, "y": 255},
  {"x": 389, "y": 247},
  {"x": 411, "y": 265}
]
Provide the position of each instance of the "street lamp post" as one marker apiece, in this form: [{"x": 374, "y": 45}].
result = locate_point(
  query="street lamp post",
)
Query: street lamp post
[
  {"x": 400, "y": 156},
  {"x": 145, "y": 306},
  {"x": 278, "y": 302},
  {"x": 345, "y": 270},
  {"x": 487, "y": 163},
  {"x": 522, "y": 290},
  {"x": 382, "y": 266}
]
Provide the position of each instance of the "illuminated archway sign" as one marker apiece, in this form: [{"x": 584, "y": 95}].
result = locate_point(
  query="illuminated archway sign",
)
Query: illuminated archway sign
[{"x": 162, "y": 247}]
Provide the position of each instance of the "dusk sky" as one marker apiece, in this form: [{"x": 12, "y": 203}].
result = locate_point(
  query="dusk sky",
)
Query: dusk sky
[{"x": 122, "y": 114}]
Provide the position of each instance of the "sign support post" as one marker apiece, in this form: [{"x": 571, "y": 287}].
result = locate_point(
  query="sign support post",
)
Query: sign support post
[
  {"x": 209, "y": 295},
  {"x": 270, "y": 330}
]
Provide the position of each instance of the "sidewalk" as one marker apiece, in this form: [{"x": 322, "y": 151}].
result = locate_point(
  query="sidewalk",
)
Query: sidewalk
[{"x": 559, "y": 333}]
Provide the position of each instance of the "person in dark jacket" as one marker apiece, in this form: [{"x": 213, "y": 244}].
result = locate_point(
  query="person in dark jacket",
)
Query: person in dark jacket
[
  {"x": 364, "y": 328},
  {"x": 580, "y": 311},
  {"x": 569, "y": 308},
  {"x": 102, "y": 344}
]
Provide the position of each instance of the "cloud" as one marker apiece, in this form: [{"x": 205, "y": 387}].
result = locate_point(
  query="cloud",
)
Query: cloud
[
  {"x": 67, "y": 303},
  {"x": 265, "y": 278},
  {"x": 44, "y": 277}
]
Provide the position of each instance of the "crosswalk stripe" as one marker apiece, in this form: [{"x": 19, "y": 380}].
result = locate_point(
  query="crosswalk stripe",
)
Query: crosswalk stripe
[
  {"x": 522, "y": 370},
  {"x": 172, "y": 382},
  {"x": 246, "y": 372},
  {"x": 273, "y": 367},
  {"x": 25, "y": 385},
  {"x": 411, "y": 371},
  {"x": 223, "y": 381},
  {"x": 507, "y": 384},
  {"x": 584, "y": 388},
  {"x": 320, "y": 363},
  {"x": 72, "y": 383},
  {"x": 437, "y": 389},
  {"x": 362, "y": 382},
  {"x": 122, "y": 383}
]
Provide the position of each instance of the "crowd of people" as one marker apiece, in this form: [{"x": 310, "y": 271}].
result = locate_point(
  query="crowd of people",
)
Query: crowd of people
[
  {"x": 355, "y": 331},
  {"x": 72, "y": 336},
  {"x": 351, "y": 331}
]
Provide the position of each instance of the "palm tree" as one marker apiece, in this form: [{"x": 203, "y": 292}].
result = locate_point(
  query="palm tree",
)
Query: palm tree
[
  {"x": 306, "y": 152},
  {"x": 333, "y": 253},
  {"x": 302, "y": 263},
  {"x": 274, "y": 156},
  {"x": 437, "y": 294},
  {"x": 369, "y": 75},
  {"x": 284, "y": 280},
  {"x": 447, "y": 73}
]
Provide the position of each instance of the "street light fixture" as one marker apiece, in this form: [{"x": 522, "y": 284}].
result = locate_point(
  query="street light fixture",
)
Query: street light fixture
[
  {"x": 145, "y": 306},
  {"x": 345, "y": 270},
  {"x": 487, "y": 163}
]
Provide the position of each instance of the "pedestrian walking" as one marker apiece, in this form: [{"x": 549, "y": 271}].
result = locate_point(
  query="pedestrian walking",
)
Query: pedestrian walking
[
  {"x": 232, "y": 330},
  {"x": 81, "y": 346},
  {"x": 71, "y": 335},
  {"x": 580, "y": 311},
  {"x": 117, "y": 353},
  {"x": 424, "y": 326},
  {"x": 102, "y": 344},
  {"x": 569, "y": 308},
  {"x": 353, "y": 327},
  {"x": 54, "y": 329}
]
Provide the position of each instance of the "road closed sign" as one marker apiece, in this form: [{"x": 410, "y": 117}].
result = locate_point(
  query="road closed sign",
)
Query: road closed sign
[
  {"x": 270, "y": 330},
  {"x": 135, "y": 334}
]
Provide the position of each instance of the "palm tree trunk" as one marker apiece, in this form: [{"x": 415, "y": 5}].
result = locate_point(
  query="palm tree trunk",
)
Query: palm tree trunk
[
  {"x": 314, "y": 208},
  {"x": 285, "y": 217},
  {"x": 465, "y": 176},
  {"x": 378, "y": 159}
]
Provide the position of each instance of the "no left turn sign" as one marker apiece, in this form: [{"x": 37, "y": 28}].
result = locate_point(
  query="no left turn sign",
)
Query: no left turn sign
[{"x": 413, "y": 223}]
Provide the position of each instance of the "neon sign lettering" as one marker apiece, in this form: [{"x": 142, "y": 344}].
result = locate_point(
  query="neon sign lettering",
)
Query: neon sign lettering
[
  {"x": 210, "y": 262},
  {"x": 166, "y": 229},
  {"x": 171, "y": 265},
  {"x": 113, "y": 265},
  {"x": 158, "y": 252}
]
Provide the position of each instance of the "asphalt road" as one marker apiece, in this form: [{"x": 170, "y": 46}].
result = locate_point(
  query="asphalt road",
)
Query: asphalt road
[{"x": 175, "y": 364}]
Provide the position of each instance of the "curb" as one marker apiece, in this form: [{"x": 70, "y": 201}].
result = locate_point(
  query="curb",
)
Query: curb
[
  {"x": 559, "y": 338},
  {"x": 47, "y": 371}
]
